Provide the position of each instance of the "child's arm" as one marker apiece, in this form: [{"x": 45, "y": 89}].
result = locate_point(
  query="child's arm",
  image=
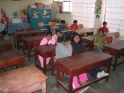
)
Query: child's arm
[
  {"x": 96, "y": 42},
  {"x": 44, "y": 41},
  {"x": 53, "y": 40},
  {"x": 74, "y": 51}
]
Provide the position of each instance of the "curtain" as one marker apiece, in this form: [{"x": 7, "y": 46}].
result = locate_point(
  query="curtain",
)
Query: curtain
[
  {"x": 83, "y": 12},
  {"x": 115, "y": 16}
]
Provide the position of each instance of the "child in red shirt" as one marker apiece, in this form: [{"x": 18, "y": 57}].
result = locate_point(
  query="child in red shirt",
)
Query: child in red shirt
[
  {"x": 74, "y": 26},
  {"x": 104, "y": 28}
]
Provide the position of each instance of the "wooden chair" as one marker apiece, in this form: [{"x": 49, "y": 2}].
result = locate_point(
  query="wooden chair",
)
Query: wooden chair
[
  {"x": 52, "y": 26},
  {"x": 89, "y": 33},
  {"x": 117, "y": 35},
  {"x": 30, "y": 29},
  {"x": 41, "y": 25},
  {"x": 80, "y": 26}
]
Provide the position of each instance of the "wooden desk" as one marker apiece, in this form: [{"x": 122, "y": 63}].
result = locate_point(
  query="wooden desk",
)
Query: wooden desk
[
  {"x": 1, "y": 37},
  {"x": 30, "y": 42},
  {"x": 19, "y": 35},
  {"x": 88, "y": 40},
  {"x": 115, "y": 48},
  {"x": 82, "y": 63},
  {"x": 44, "y": 51},
  {"x": 5, "y": 45},
  {"x": 23, "y": 80},
  {"x": 11, "y": 58}
]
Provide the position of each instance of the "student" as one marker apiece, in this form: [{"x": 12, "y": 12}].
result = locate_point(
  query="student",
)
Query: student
[
  {"x": 104, "y": 28},
  {"x": 100, "y": 41},
  {"x": 63, "y": 27},
  {"x": 58, "y": 34},
  {"x": 74, "y": 26},
  {"x": 78, "y": 49},
  {"x": 49, "y": 39},
  {"x": 64, "y": 49}
]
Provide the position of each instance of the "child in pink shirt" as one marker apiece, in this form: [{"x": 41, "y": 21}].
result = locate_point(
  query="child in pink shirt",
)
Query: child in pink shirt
[
  {"x": 49, "y": 39},
  {"x": 74, "y": 26}
]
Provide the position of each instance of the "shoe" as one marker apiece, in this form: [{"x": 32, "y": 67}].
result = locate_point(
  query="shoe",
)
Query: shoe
[
  {"x": 102, "y": 74},
  {"x": 82, "y": 90}
]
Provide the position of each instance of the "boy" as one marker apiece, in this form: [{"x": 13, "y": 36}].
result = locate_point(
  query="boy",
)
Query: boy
[
  {"x": 63, "y": 27},
  {"x": 74, "y": 26},
  {"x": 104, "y": 28}
]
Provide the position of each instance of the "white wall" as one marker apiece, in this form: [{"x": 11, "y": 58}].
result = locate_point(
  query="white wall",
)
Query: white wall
[{"x": 11, "y": 6}]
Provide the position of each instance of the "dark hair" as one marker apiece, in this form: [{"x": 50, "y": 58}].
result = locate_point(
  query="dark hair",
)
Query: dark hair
[
  {"x": 49, "y": 33},
  {"x": 57, "y": 30},
  {"x": 63, "y": 38},
  {"x": 62, "y": 21},
  {"x": 74, "y": 21},
  {"x": 101, "y": 31},
  {"x": 105, "y": 23},
  {"x": 76, "y": 34}
]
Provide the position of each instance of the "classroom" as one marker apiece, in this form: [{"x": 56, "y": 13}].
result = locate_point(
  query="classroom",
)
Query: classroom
[{"x": 61, "y": 46}]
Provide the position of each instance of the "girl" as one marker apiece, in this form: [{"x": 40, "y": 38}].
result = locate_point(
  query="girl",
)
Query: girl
[
  {"x": 58, "y": 34},
  {"x": 74, "y": 26},
  {"x": 100, "y": 41},
  {"x": 64, "y": 49},
  {"x": 78, "y": 48},
  {"x": 49, "y": 39}
]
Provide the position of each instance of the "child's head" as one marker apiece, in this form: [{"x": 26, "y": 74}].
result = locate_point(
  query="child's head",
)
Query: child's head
[
  {"x": 104, "y": 24},
  {"x": 58, "y": 33},
  {"x": 75, "y": 22},
  {"x": 101, "y": 33},
  {"x": 64, "y": 39},
  {"x": 49, "y": 35},
  {"x": 76, "y": 38},
  {"x": 62, "y": 22}
]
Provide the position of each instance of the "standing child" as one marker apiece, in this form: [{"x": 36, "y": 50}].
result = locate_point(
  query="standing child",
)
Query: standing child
[
  {"x": 64, "y": 49},
  {"x": 74, "y": 26},
  {"x": 49, "y": 39}
]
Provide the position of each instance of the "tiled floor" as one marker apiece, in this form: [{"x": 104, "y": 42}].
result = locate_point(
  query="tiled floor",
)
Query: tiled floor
[{"x": 114, "y": 85}]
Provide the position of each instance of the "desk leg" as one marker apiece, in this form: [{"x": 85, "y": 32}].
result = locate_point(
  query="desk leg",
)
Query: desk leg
[
  {"x": 70, "y": 84},
  {"x": 44, "y": 63},
  {"x": 115, "y": 63},
  {"x": 18, "y": 43},
  {"x": 23, "y": 62},
  {"x": 108, "y": 70},
  {"x": 58, "y": 77},
  {"x": 44, "y": 86},
  {"x": 28, "y": 51}
]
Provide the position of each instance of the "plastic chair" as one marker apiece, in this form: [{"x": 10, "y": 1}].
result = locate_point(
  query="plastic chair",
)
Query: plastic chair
[{"x": 41, "y": 25}]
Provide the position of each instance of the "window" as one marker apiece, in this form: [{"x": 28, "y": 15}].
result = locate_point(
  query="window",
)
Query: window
[
  {"x": 67, "y": 5},
  {"x": 83, "y": 11},
  {"x": 115, "y": 16}
]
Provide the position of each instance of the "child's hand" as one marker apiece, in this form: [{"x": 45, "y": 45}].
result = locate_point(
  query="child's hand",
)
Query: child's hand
[{"x": 65, "y": 29}]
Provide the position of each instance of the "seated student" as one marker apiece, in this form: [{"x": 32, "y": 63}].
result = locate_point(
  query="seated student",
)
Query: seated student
[
  {"x": 100, "y": 41},
  {"x": 64, "y": 49},
  {"x": 63, "y": 27},
  {"x": 49, "y": 39},
  {"x": 78, "y": 49},
  {"x": 58, "y": 34},
  {"x": 74, "y": 26},
  {"x": 104, "y": 28}
]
